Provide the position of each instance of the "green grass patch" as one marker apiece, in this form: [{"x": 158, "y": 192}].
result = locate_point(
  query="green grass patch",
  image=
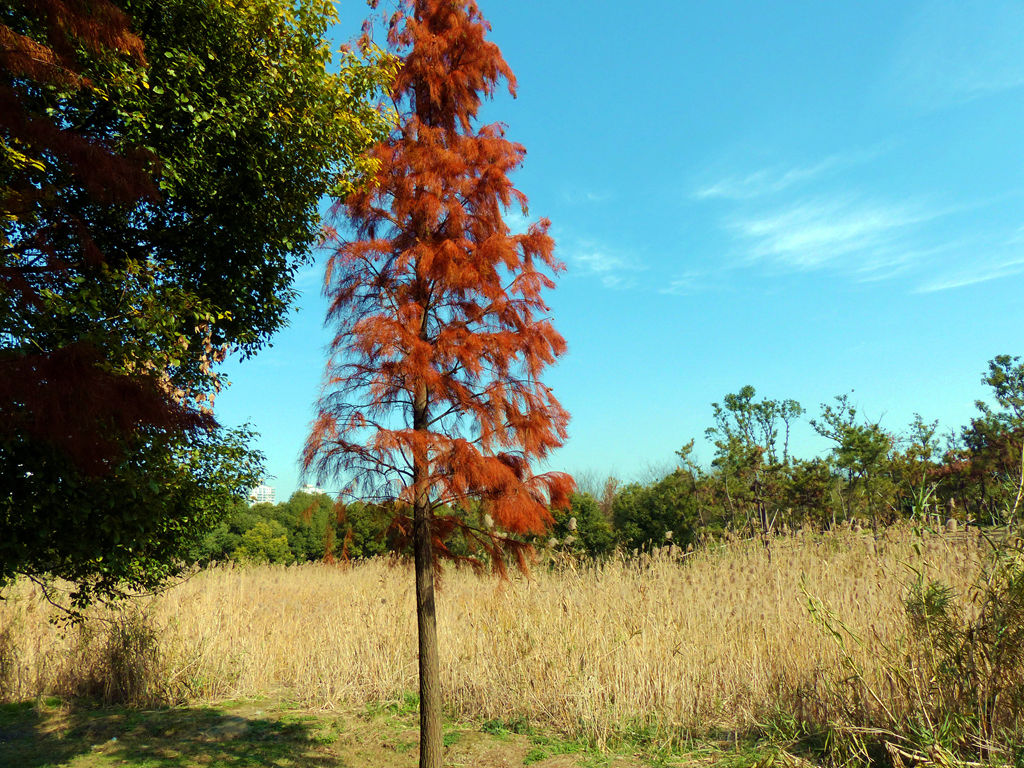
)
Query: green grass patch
[
  {"x": 504, "y": 728},
  {"x": 247, "y": 734}
]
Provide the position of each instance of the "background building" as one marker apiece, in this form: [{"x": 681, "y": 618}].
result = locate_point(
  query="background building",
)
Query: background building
[{"x": 262, "y": 494}]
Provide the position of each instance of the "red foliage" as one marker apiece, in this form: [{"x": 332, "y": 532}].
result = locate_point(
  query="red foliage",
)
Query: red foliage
[
  {"x": 434, "y": 385},
  {"x": 65, "y": 399},
  {"x": 65, "y": 396},
  {"x": 107, "y": 177}
]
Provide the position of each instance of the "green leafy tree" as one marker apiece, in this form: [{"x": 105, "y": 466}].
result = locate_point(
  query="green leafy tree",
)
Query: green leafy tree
[
  {"x": 984, "y": 465},
  {"x": 700, "y": 483},
  {"x": 364, "y": 529},
  {"x": 225, "y": 537},
  {"x": 265, "y": 542},
  {"x": 1006, "y": 378},
  {"x": 160, "y": 169},
  {"x": 136, "y": 526},
  {"x": 752, "y": 451},
  {"x": 914, "y": 468},
  {"x": 809, "y": 493},
  {"x": 861, "y": 452},
  {"x": 310, "y": 521}
]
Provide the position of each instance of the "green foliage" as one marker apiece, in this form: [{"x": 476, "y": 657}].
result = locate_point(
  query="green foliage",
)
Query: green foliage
[
  {"x": 243, "y": 121},
  {"x": 745, "y": 429},
  {"x": 310, "y": 526},
  {"x": 861, "y": 452},
  {"x": 309, "y": 521},
  {"x": 808, "y": 495},
  {"x": 662, "y": 513},
  {"x": 130, "y": 529},
  {"x": 265, "y": 542},
  {"x": 1006, "y": 377},
  {"x": 363, "y": 532},
  {"x": 988, "y": 456},
  {"x": 869, "y": 471},
  {"x": 583, "y": 528},
  {"x": 246, "y": 127},
  {"x": 870, "y": 474},
  {"x": 914, "y": 468},
  {"x": 752, "y": 455},
  {"x": 302, "y": 529},
  {"x": 252, "y": 128}
]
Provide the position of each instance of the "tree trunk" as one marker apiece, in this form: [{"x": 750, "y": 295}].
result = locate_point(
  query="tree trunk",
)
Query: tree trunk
[
  {"x": 431, "y": 744},
  {"x": 762, "y": 514}
]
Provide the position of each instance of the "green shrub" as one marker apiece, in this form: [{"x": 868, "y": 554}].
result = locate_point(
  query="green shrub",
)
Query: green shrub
[
  {"x": 954, "y": 686},
  {"x": 265, "y": 542}
]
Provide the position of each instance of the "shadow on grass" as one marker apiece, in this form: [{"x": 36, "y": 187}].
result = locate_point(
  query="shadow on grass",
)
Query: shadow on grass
[
  {"x": 25, "y": 735},
  {"x": 50, "y": 734}
]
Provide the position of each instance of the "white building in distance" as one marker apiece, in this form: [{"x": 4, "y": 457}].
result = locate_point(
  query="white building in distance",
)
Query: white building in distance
[
  {"x": 261, "y": 494},
  {"x": 312, "y": 490}
]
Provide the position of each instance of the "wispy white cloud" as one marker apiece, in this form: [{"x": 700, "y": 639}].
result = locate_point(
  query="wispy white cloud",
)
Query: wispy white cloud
[
  {"x": 769, "y": 181},
  {"x": 957, "y": 50},
  {"x": 578, "y": 196},
  {"x": 685, "y": 283},
  {"x": 898, "y": 260},
  {"x": 762, "y": 182},
  {"x": 615, "y": 270},
  {"x": 1003, "y": 265},
  {"x": 872, "y": 241},
  {"x": 823, "y": 232}
]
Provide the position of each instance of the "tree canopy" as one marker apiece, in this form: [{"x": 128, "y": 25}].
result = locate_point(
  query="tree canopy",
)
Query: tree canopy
[{"x": 160, "y": 172}]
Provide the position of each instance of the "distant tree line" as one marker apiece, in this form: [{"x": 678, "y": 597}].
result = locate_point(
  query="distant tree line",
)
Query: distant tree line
[
  {"x": 309, "y": 526},
  {"x": 871, "y": 477}
]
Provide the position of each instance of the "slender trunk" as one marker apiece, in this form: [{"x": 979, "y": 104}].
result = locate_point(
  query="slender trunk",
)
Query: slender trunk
[
  {"x": 431, "y": 743},
  {"x": 762, "y": 514},
  {"x": 696, "y": 496},
  {"x": 728, "y": 498},
  {"x": 1020, "y": 490},
  {"x": 872, "y": 512}
]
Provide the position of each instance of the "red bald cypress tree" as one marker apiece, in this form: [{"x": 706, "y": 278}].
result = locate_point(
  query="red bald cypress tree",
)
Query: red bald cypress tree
[{"x": 433, "y": 394}]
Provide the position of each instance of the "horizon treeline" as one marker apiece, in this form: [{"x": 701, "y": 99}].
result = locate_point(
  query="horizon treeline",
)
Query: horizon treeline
[{"x": 871, "y": 476}]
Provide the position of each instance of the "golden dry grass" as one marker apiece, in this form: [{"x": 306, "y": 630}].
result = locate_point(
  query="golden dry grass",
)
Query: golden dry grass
[{"x": 716, "y": 639}]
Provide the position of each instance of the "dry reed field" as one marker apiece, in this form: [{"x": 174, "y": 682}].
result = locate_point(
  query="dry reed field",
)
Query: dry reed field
[{"x": 716, "y": 639}]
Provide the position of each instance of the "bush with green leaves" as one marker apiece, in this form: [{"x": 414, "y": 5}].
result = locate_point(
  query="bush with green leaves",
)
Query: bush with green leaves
[
  {"x": 653, "y": 515},
  {"x": 583, "y": 528},
  {"x": 363, "y": 530},
  {"x": 969, "y": 654},
  {"x": 265, "y": 542},
  {"x": 955, "y": 682}
]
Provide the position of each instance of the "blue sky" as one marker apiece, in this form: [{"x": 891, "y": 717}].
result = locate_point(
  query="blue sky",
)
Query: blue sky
[{"x": 808, "y": 197}]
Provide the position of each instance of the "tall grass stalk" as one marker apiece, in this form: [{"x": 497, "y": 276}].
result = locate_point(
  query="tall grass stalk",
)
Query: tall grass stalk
[{"x": 718, "y": 639}]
